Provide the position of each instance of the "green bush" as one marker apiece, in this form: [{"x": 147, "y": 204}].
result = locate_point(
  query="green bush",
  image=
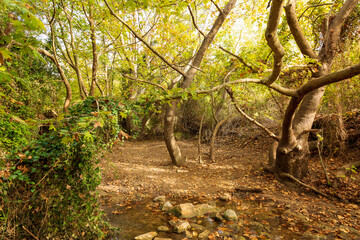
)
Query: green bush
[{"x": 48, "y": 189}]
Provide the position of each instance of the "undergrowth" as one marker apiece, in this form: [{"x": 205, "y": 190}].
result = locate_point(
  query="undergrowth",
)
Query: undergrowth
[{"x": 48, "y": 188}]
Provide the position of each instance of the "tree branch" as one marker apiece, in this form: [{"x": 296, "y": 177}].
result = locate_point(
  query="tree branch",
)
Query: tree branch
[
  {"x": 303, "y": 184},
  {"x": 217, "y": 6},
  {"x": 296, "y": 31},
  {"x": 194, "y": 22},
  {"x": 206, "y": 43},
  {"x": 334, "y": 77},
  {"x": 144, "y": 41},
  {"x": 273, "y": 40},
  {"x": 144, "y": 81},
  {"x": 240, "y": 59}
]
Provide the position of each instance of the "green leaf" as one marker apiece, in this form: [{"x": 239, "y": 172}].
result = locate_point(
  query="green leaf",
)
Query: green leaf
[{"x": 88, "y": 137}]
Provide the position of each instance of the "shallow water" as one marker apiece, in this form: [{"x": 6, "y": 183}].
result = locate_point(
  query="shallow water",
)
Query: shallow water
[{"x": 138, "y": 218}]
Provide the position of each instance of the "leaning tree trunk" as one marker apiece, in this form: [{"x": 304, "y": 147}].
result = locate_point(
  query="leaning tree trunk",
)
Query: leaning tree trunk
[{"x": 169, "y": 126}]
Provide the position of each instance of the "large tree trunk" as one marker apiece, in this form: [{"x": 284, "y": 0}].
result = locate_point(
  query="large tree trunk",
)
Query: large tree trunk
[{"x": 293, "y": 157}]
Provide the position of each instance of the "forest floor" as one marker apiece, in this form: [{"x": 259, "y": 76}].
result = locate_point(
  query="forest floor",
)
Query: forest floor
[{"x": 137, "y": 171}]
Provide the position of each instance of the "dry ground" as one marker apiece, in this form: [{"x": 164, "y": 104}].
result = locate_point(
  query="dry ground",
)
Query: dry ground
[{"x": 140, "y": 170}]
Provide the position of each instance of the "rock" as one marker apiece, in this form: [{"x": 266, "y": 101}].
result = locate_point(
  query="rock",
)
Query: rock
[
  {"x": 172, "y": 223},
  {"x": 204, "y": 235},
  {"x": 181, "y": 226},
  {"x": 146, "y": 236},
  {"x": 157, "y": 238},
  {"x": 159, "y": 199},
  {"x": 185, "y": 210},
  {"x": 216, "y": 216},
  {"x": 167, "y": 206},
  {"x": 230, "y": 215},
  {"x": 203, "y": 209},
  {"x": 225, "y": 197},
  {"x": 256, "y": 226},
  {"x": 163, "y": 229},
  {"x": 197, "y": 227},
  {"x": 188, "y": 234}
]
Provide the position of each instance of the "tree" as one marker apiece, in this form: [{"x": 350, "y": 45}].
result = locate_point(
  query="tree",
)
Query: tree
[
  {"x": 186, "y": 77},
  {"x": 292, "y": 151}
]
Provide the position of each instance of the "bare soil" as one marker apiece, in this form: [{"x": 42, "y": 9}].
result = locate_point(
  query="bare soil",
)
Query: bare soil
[{"x": 140, "y": 170}]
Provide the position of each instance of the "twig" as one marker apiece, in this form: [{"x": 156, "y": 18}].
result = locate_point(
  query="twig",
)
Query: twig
[
  {"x": 194, "y": 22},
  {"x": 47, "y": 173},
  {"x": 303, "y": 184},
  {"x": 322, "y": 162},
  {"x": 144, "y": 81},
  {"x": 251, "y": 190},
  {"x": 271, "y": 134},
  {"x": 30, "y": 233},
  {"x": 240, "y": 59}
]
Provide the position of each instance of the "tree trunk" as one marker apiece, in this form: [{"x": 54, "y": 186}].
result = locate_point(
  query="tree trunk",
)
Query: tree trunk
[
  {"x": 293, "y": 156},
  {"x": 169, "y": 123}
]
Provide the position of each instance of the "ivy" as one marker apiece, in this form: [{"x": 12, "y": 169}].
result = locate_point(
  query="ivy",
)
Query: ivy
[{"x": 54, "y": 178}]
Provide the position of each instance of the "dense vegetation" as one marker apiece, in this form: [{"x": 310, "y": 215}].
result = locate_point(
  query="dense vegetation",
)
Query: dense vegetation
[{"x": 77, "y": 76}]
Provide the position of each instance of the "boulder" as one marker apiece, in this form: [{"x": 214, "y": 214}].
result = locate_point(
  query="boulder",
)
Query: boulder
[
  {"x": 172, "y": 223},
  {"x": 230, "y": 215},
  {"x": 197, "y": 227},
  {"x": 188, "y": 234},
  {"x": 181, "y": 226},
  {"x": 185, "y": 210},
  {"x": 147, "y": 236},
  {"x": 202, "y": 209},
  {"x": 167, "y": 206}
]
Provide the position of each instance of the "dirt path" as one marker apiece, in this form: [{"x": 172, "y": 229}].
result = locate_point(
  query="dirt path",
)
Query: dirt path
[
  {"x": 138, "y": 171},
  {"x": 145, "y": 167}
]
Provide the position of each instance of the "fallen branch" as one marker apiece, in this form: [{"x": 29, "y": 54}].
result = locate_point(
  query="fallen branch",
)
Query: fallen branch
[
  {"x": 303, "y": 184},
  {"x": 251, "y": 190}
]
